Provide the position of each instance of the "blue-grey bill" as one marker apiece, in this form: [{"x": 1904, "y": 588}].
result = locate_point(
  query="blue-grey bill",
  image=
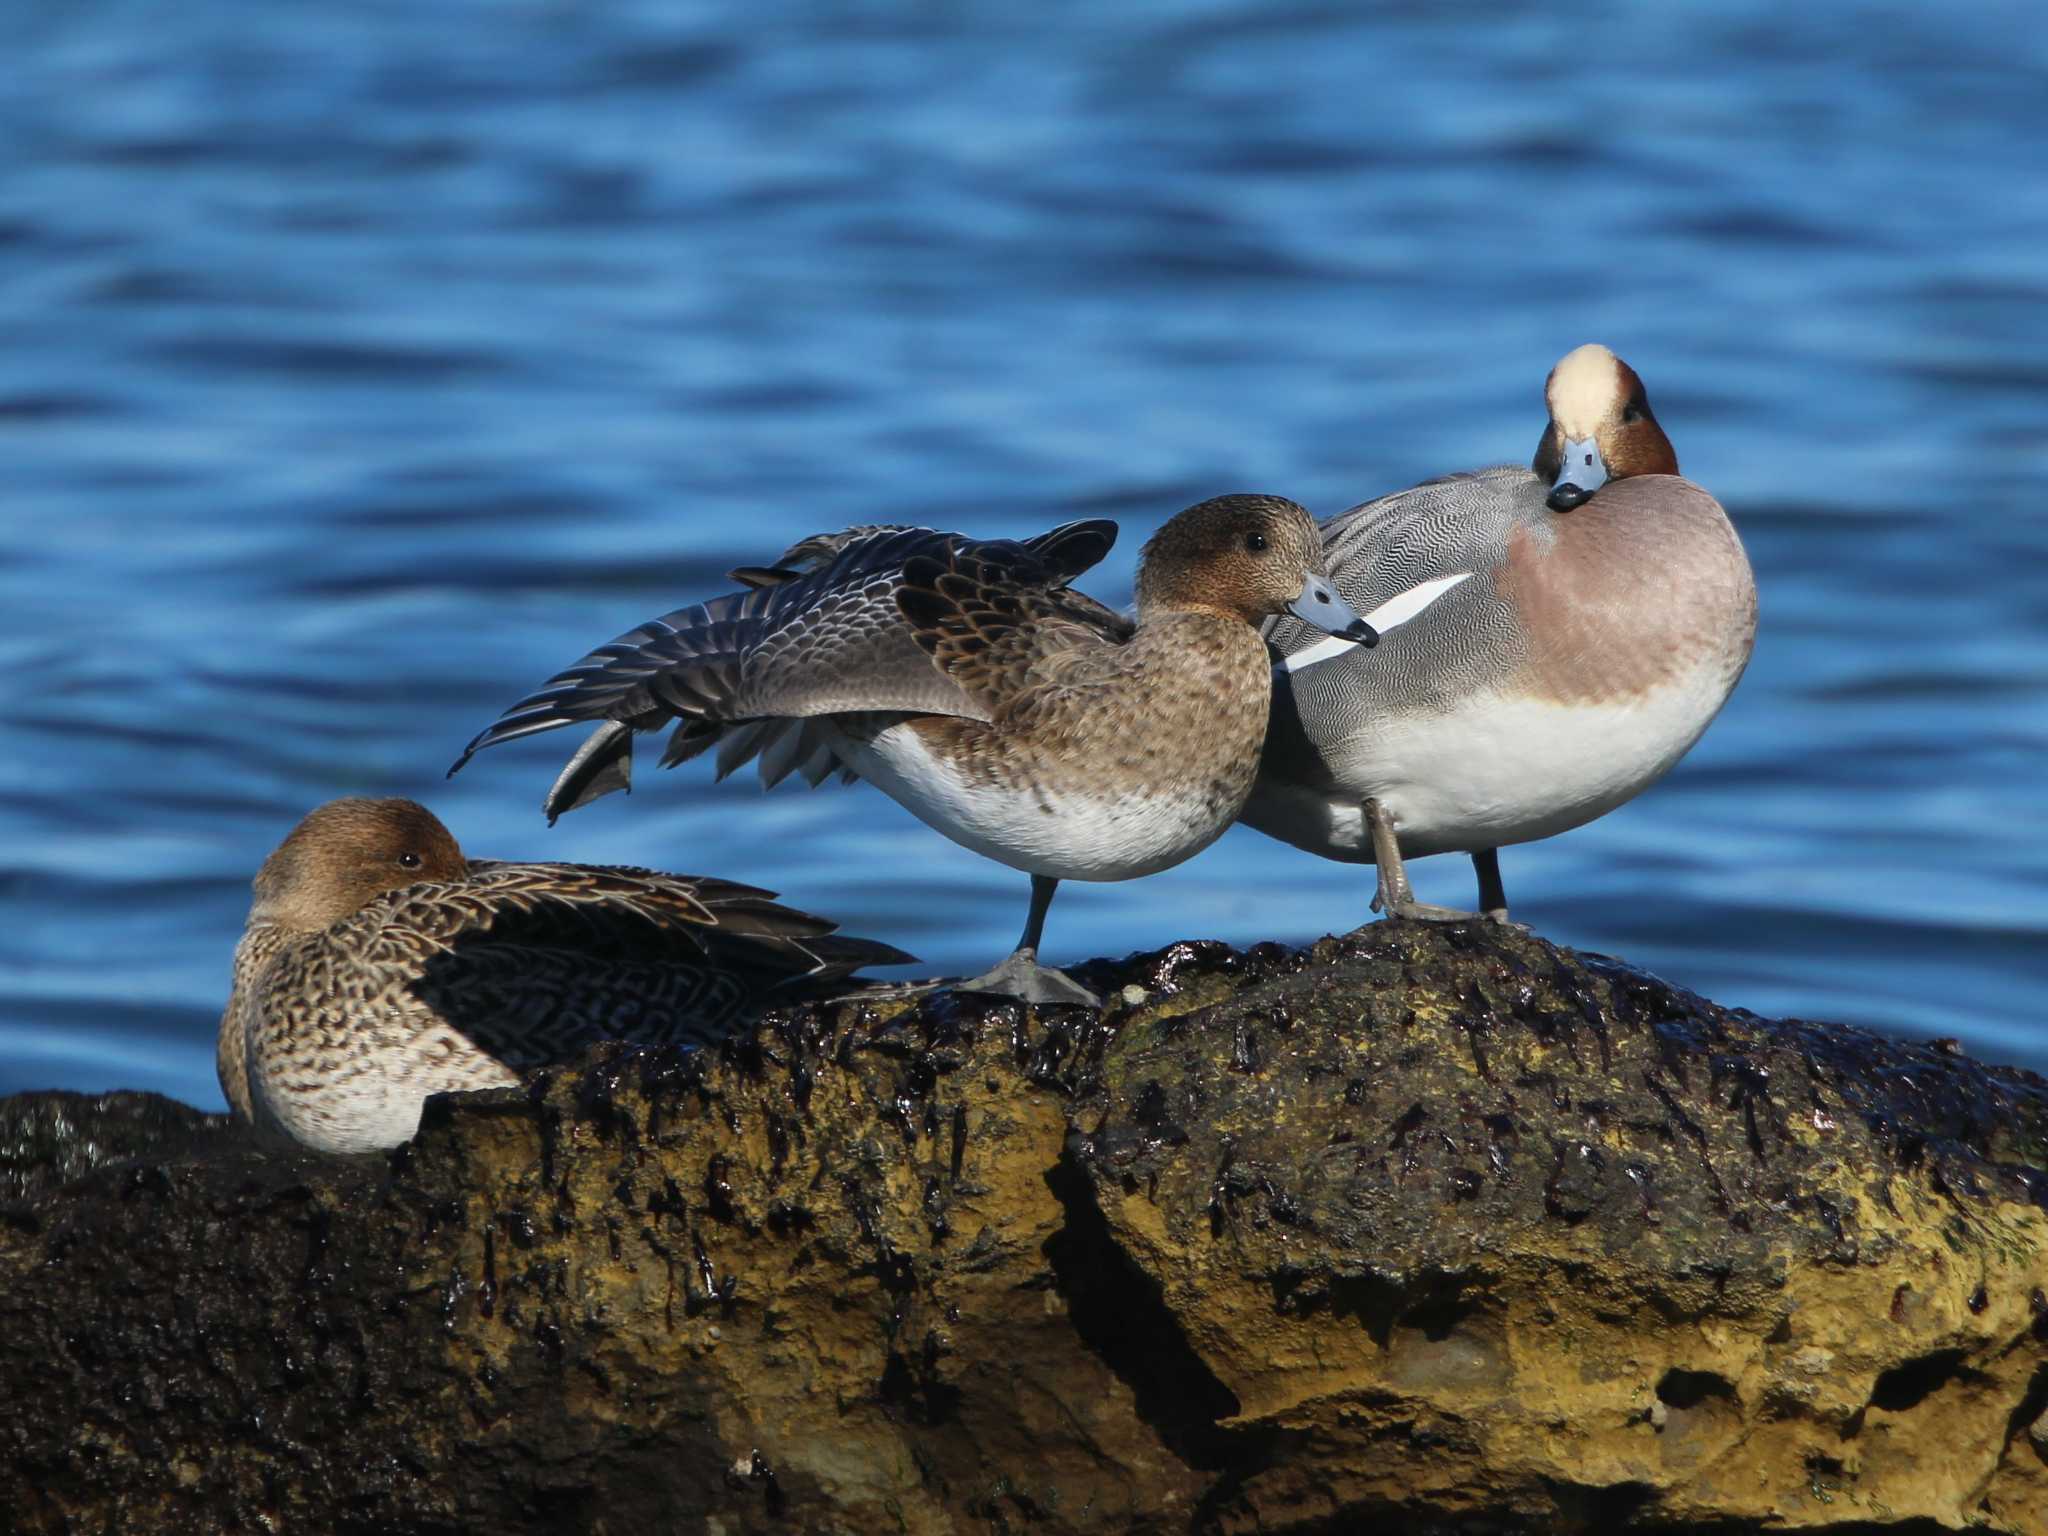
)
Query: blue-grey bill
[
  {"x": 1583, "y": 469},
  {"x": 1391, "y": 614},
  {"x": 1320, "y": 605}
]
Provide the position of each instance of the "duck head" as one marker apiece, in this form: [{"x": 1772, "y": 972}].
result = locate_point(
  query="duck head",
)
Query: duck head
[
  {"x": 1250, "y": 557},
  {"x": 345, "y": 855},
  {"x": 1600, "y": 428}
]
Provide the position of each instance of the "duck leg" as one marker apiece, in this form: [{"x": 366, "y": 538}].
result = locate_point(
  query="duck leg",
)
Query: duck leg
[
  {"x": 1396, "y": 897},
  {"x": 1493, "y": 896},
  {"x": 1021, "y": 976}
]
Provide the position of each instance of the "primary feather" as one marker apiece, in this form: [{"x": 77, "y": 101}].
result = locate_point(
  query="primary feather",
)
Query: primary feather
[{"x": 822, "y": 632}]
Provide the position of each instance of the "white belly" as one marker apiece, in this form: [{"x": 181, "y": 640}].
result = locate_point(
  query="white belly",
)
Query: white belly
[
  {"x": 368, "y": 1100},
  {"x": 1496, "y": 770},
  {"x": 357, "y": 1110},
  {"x": 1068, "y": 836}
]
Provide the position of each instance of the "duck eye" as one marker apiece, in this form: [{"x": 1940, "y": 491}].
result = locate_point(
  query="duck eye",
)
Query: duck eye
[
  {"x": 1255, "y": 543},
  {"x": 408, "y": 860},
  {"x": 1634, "y": 412}
]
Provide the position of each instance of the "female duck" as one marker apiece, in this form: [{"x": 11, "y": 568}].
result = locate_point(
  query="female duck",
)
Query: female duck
[
  {"x": 964, "y": 679},
  {"x": 379, "y": 966},
  {"x": 1610, "y": 613}
]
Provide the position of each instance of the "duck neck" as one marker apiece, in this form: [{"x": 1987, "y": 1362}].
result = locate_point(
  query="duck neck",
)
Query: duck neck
[{"x": 1161, "y": 612}]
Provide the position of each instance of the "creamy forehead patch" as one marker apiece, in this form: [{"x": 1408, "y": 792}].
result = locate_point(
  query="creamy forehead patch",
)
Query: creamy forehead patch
[{"x": 1583, "y": 389}]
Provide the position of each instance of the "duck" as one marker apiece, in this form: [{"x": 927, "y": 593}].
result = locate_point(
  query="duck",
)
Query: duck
[
  {"x": 966, "y": 679},
  {"x": 1609, "y": 614},
  {"x": 379, "y": 965}
]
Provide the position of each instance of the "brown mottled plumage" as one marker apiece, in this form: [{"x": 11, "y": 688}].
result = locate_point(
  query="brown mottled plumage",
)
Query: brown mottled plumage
[
  {"x": 964, "y": 678},
  {"x": 379, "y": 965}
]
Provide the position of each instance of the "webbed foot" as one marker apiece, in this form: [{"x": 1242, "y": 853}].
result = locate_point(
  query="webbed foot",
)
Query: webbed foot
[
  {"x": 1395, "y": 896},
  {"x": 1022, "y": 977},
  {"x": 1423, "y": 911}
]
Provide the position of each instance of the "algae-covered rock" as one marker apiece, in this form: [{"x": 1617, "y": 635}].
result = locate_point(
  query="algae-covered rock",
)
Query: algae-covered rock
[{"x": 1441, "y": 1228}]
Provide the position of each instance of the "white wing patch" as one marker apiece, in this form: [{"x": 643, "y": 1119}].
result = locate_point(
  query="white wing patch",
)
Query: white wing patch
[{"x": 1391, "y": 614}]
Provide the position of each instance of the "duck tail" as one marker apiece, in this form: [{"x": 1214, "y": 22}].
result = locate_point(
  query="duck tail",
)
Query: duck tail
[
  {"x": 839, "y": 955},
  {"x": 806, "y": 948}
]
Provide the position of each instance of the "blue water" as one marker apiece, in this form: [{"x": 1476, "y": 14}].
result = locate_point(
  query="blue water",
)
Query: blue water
[{"x": 360, "y": 365}]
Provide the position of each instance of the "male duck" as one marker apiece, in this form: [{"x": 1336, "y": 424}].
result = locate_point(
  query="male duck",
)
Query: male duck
[
  {"x": 963, "y": 678},
  {"x": 1610, "y": 613},
  {"x": 380, "y": 965}
]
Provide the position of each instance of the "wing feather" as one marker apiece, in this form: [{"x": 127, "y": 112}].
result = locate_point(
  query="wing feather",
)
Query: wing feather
[
  {"x": 994, "y": 636},
  {"x": 821, "y": 632}
]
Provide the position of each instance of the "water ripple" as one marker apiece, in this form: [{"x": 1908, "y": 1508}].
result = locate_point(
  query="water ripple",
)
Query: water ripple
[{"x": 366, "y": 365}]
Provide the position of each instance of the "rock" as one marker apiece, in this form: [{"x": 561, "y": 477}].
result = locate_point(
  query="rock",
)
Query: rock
[
  {"x": 1442, "y": 1228},
  {"x": 47, "y": 1139}
]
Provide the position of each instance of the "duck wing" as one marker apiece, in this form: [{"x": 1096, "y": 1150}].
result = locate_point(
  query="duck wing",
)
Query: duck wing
[
  {"x": 993, "y": 630},
  {"x": 532, "y": 962},
  {"x": 1397, "y": 560},
  {"x": 1380, "y": 549},
  {"x": 818, "y": 633}
]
